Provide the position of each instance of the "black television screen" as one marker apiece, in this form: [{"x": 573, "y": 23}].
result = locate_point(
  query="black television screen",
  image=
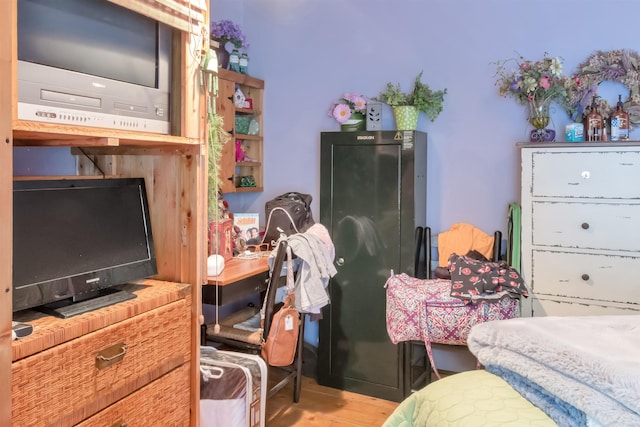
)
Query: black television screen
[
  {"x": 73, "y": 238},
  {"x": 93, "y": 63},
  {"x": 91, "y": 37}
]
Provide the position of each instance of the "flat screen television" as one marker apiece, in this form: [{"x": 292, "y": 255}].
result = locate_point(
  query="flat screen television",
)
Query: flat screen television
[
  {"x": 75, "y": 239},
  {"x": 93, "y": 63}
]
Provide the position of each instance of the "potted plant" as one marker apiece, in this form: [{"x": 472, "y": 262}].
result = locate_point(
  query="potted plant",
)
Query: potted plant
[
  {"x": 407, "y": 105},
  {"x": 226, "y": 31},
  {"x": 350, "y": 112}
]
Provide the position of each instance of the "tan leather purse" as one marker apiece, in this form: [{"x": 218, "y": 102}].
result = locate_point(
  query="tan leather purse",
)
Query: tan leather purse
[{"x": 280, "y": 347}]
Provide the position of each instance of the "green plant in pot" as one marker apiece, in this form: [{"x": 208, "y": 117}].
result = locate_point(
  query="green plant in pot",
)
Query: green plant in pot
[{"x": 407, "y": 105}]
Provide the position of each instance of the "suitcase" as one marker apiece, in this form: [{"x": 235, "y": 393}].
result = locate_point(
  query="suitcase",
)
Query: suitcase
[{"x": 233, "y": 389}]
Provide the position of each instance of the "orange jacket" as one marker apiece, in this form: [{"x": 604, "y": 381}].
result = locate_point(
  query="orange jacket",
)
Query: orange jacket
[{"x": 460, "y": 239}]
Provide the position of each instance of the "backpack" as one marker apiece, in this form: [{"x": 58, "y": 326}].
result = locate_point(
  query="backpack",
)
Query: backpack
[{"x": 289, "y": 213}]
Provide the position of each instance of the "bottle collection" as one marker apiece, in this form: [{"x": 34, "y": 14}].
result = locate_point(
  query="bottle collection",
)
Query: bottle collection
[
  {"x": 596, "y": 126},
  {"x": 239, "y": 62}
]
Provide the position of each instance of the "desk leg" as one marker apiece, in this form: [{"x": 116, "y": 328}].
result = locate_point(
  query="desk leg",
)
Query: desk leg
[{"x": 203, "y": 334}]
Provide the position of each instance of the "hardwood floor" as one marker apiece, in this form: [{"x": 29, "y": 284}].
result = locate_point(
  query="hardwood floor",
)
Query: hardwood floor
[{"x": 321, "y": 406}]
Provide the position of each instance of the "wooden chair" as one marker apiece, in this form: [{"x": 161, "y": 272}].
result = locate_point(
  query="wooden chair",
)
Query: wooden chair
[
  {"x": 423, "y": 268},
  {"x": 250, "y": 341}
]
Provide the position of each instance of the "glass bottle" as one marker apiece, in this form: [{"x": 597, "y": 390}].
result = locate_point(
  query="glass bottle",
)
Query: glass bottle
[
  {"x": 619, "y": 122},
  {"x": 593, "y": 122},
  {"x": 244, "y": 63},
  {"x": 234, "y": 60}
]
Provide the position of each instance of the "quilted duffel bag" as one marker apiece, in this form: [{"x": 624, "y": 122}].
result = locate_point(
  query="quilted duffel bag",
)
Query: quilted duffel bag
[{"x": 423, "y": 310}]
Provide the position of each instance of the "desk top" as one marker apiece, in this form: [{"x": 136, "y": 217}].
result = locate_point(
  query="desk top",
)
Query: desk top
[{"x": 237, "y": 269}]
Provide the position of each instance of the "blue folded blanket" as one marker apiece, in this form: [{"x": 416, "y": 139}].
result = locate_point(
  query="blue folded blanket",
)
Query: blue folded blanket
[
  {"x": 589, "y": 363},
  {"x": 557, "y": 409},
  {"x": 251, "y": 324}
]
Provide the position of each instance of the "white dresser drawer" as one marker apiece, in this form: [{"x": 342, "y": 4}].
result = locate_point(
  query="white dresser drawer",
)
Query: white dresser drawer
[
  {"x": 558, "y": 307},
  {"x": 588, "y": 174},
  {"x": 586, "y": 225},
  {"x": 586, "y": 276}
]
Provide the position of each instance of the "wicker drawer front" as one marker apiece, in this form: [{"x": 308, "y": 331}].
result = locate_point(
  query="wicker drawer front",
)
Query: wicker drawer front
[
  {"x": 586, "y": 276},
  {"x": 587, "y": 225},
  {"x": 63, "y": 385},
  {"x": 594, "y": 174},
  {"x": 164, "y": 402}
]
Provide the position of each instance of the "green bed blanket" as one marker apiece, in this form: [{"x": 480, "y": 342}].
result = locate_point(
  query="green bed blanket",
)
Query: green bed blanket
[{"x": 468, "y": 399}]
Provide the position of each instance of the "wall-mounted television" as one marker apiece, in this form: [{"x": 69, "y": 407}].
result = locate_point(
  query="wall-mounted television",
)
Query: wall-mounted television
[
  {"x": 76, "y": 239},
  {"x": 93, "y": 63}
]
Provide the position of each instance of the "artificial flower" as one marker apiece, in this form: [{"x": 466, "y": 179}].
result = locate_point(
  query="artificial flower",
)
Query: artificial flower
[
  {"x": 227, "y": 31},
  {"x": 345, "y": 107},
  {"x": 615, "y": 65},
  {"x": 533, "y": 82}
]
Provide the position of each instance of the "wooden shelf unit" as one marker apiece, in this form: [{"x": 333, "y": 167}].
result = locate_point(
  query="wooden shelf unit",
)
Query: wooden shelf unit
[
  {"x": 175, "y": 170},
  {"x": 231, "y": 170}
]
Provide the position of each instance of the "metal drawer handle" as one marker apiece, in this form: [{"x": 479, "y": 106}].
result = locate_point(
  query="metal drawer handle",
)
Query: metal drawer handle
[
  {"x": 585, "y": 225},
  {"x": 585, "y": 277},
  {"x": 111, "y": 355}
]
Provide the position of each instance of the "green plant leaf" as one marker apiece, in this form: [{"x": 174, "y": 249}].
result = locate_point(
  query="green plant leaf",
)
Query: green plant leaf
[{"x": 421, "y": 96}]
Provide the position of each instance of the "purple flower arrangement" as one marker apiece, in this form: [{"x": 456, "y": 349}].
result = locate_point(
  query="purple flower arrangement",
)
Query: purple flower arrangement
[
  {"x": 534, "y": 81},
  {"x": 227, "y": 31}
]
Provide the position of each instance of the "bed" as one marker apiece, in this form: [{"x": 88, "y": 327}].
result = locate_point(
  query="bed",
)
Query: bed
[{"x": 543, "y": 371}]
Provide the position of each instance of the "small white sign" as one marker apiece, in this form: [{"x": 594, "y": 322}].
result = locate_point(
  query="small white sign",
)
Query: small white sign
[{"x": 288, "y": 323}]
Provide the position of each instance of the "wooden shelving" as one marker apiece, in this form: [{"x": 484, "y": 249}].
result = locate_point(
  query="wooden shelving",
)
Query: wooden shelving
[
  {"x": 175, "y": 170},
  {"x": 232, "y": 171}
]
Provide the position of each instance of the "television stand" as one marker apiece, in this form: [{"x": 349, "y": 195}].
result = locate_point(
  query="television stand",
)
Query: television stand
[{"x": 68, "y": 308}]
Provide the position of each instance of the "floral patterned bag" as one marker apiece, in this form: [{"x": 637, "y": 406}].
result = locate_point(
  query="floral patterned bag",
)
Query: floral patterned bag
[{"x": 424, "y": 310}]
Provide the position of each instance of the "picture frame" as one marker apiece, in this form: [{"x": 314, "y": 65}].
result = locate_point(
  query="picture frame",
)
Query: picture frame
[{"x": 249, "y": 225}]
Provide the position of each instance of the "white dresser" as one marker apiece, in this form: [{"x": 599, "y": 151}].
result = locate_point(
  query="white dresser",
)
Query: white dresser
[{"x": 581, "y": 228}]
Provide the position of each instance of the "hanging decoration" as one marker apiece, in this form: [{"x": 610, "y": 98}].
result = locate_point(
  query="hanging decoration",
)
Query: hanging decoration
[{"x": 620, "y": 66}]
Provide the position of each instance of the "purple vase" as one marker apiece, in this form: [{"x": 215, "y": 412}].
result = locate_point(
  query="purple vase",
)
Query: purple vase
[
  {"x": 542, "y": 135},
  {"x": 222, "y": 54}
]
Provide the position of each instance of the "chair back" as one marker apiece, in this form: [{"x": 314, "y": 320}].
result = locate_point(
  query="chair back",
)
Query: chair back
[
  {"x": 275, "y": 281},
  {"x": 423, "y": 258}
]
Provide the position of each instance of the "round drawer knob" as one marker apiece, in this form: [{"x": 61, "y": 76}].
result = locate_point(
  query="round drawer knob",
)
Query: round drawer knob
[
  {"x": 586, "y": 174},
  {"x": 585, "y": 225},
  {"x": 340, "y": 261},
  {"x": 585, "y": 277}
]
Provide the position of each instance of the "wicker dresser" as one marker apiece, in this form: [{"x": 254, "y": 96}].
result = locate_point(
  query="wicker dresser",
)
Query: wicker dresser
[
  {"x": 581, "y": 228},
  {"x": 120, "y": 365}
]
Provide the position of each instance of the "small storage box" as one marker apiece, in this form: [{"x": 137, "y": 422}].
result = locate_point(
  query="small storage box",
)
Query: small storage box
[
  {"x": 242, "y": 124},
  {"x": 220, "y": 241}
]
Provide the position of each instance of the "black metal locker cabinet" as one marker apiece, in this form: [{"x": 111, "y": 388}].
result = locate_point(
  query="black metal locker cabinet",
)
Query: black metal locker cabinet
[{"x": 372, "y": 196}]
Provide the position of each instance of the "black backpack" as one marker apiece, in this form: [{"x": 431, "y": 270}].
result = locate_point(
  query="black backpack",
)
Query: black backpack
[{"x": 289, "y": 212}]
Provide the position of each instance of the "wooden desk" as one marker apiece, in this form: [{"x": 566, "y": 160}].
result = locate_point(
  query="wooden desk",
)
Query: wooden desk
[{"x": 247, "y": 276}]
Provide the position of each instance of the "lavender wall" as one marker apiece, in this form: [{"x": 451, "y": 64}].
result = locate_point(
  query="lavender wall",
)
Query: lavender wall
[{"x": 309, "y": 52}]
